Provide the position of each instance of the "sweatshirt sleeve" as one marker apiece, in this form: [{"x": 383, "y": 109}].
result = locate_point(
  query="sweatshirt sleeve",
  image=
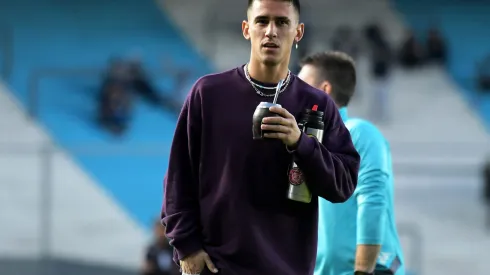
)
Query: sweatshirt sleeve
[
  {"x": 371, "y": 190},
  {"x": 330, "y": 167},
  {"x": 180, "y": 211}
]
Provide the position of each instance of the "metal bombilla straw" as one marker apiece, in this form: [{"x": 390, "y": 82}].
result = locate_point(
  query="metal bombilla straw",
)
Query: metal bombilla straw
[{"x": 278, "y": 89}]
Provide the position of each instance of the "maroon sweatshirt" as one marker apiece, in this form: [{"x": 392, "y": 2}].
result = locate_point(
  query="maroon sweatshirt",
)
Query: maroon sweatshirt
[{"x": 227, "y": 193}]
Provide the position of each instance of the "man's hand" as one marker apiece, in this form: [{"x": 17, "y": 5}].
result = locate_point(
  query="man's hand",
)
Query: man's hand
[
  {"x": 284, "y": 127},
  {"x": 194, "y": 263},
  {"x": 366, "y": 256}
]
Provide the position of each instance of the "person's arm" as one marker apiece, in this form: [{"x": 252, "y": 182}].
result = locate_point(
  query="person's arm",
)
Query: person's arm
[
  {"x": 331, "y": 166},
  {"x": 180, "y": 211},
  {"x": 371, "y": 196}
]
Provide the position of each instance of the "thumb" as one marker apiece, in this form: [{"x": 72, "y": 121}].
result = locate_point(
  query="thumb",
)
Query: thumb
[{"x": 210, "y": 264}]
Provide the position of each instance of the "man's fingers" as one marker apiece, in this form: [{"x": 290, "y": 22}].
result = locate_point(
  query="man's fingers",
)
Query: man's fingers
[
  {"x": 275, "y": 128},
  {"x": 210, "y": 264},
  {"x": 281, "y": 136},
  {"x": 281, "y": 111},
  {"x": 276, "y": 120}
]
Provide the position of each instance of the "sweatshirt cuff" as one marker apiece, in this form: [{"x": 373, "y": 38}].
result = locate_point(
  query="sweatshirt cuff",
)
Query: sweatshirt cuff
[
  {"x": 187, "y": 247},
  {"x": 306, "y": 146}
]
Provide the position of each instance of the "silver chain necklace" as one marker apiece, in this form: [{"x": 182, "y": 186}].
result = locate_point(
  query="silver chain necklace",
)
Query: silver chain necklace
[{"x": 255, "y": 85}]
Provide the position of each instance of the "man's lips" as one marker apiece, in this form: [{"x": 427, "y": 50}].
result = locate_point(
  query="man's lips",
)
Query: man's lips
[{"x": 270, "y": 45}]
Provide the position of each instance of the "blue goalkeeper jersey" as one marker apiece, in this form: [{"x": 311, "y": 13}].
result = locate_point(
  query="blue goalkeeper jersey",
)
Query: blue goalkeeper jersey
[{"x": 368, "y": 216}]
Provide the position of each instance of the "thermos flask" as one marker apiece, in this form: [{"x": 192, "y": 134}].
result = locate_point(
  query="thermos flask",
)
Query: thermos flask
[
  {"x": 311, "y": 123},
  {"x": 261, "y": 112}
]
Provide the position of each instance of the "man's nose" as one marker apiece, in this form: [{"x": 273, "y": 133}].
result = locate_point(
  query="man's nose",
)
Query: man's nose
[{"x": 271, "y": 30}]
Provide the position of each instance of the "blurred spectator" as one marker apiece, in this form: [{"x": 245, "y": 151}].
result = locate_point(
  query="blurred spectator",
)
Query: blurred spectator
[
  {"x": 131, "y": 76},
  {"x": 381, "y": 63},
  {"x": 141, "y": 84},
  {"x": 483, "y": 77},
  {"x": 344, "y": 40},
  {"x": 380, "y": 52},
  {"x": 486, "y": 179},
  {"x": 486, "y": 192},
  {"x": 119, "y": 72},
  {"x": 115, "y": 107},
  {"x": 436, "y": 47},
  {"x": 411, "y": 54},
  {"x": 159, "y": 255}
]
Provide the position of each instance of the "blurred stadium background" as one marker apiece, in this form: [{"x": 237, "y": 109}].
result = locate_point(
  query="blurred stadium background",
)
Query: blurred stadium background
[{"x": 79, "y": 197}]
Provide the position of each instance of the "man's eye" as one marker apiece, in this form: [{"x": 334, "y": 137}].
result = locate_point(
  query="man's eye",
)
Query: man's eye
[
  {"x": 262, "y": 21},
  {"x": 283, "y": 22}
]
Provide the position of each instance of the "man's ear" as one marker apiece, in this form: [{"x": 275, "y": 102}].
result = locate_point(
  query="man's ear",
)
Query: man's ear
[
  {"x": 326, "y": 87},
  {"x": 300, "y": 31},
  {"x": 245, "y": 29}
]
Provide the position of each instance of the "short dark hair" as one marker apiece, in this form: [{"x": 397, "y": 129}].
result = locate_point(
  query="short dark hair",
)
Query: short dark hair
[
  {"x": 295, "y": 3},
  {"x": 339, "y": 69}
]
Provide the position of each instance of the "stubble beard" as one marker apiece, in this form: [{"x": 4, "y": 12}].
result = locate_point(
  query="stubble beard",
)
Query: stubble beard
[{"x": 271, "y": 63}]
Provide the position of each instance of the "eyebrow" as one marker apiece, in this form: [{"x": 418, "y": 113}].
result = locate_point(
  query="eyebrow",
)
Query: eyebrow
[{"x": 263, "y": 17}]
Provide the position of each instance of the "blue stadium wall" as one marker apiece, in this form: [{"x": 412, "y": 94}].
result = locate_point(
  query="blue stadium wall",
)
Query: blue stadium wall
[{"x": 78, "y": 34}]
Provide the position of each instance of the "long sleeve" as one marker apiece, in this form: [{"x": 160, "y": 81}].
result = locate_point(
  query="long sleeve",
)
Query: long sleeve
[
  {"x": 371, "y": 190},
  {"x": 331, "y": 166},
  {"x": 180, "y": 211}
]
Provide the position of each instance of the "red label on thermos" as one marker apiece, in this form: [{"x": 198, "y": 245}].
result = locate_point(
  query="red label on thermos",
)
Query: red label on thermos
[{"x": 296, "y": 176}]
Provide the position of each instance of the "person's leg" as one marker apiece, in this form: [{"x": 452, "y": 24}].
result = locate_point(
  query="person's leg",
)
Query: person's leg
[{"x": 379, "y": 106}]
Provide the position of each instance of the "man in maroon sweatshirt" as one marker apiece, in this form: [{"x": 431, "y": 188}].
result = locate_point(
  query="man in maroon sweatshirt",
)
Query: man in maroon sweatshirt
[{"x": 225, "y": 205}]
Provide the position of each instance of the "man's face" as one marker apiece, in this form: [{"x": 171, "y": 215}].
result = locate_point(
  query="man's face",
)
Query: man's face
[
  {"x": 309, "y": 75},
  {"x": 272, "y": 28}
]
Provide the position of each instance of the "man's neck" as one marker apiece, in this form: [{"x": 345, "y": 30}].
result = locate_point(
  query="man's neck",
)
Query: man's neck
[{"x": 267, "y": 74}]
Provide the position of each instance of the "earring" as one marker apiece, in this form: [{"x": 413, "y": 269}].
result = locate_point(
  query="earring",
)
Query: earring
[{"x": 296, "y": 45}]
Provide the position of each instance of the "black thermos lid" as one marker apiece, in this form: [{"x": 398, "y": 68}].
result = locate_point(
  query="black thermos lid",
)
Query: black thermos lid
[
  {"x": 314, "y": 112},
  {"x": 310, "y": 112}
]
